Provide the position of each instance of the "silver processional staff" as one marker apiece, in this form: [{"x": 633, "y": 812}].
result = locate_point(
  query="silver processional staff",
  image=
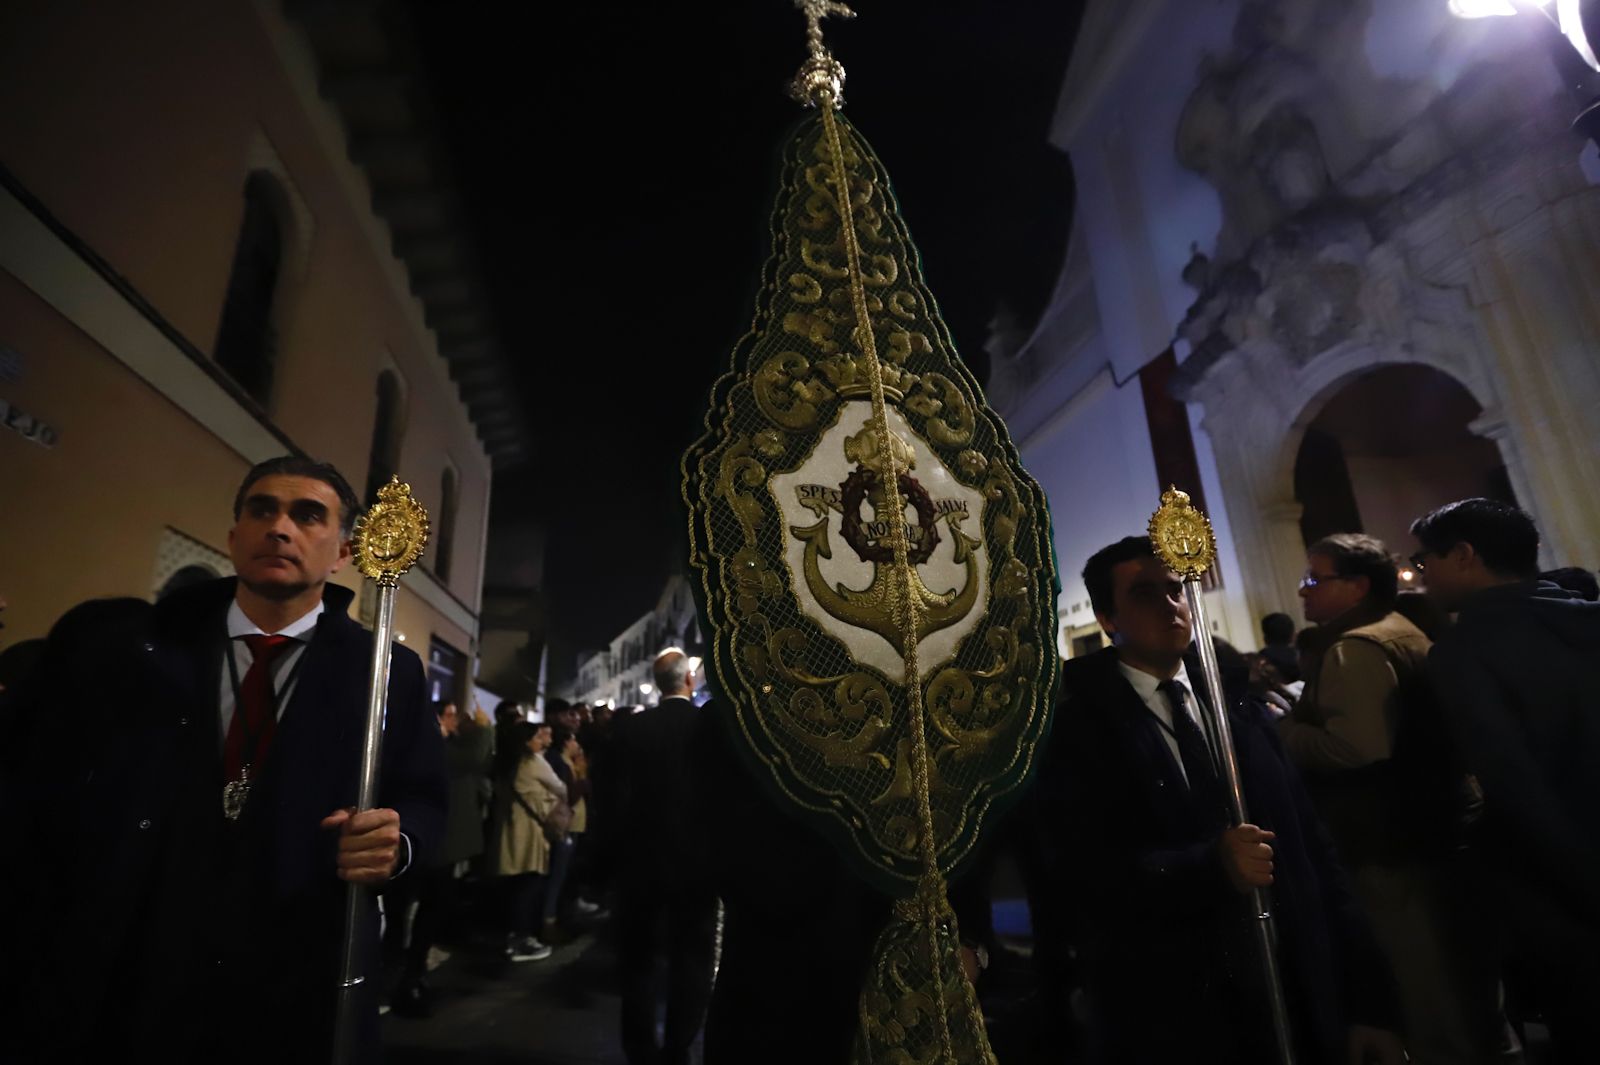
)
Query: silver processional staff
[
  {"x": 1184, "y": 539},
  {"x": 388, "y": 540}
]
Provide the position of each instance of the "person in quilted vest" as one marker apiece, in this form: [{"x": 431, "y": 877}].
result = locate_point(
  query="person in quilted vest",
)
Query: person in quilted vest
[{"x": 1367, "y": 736}]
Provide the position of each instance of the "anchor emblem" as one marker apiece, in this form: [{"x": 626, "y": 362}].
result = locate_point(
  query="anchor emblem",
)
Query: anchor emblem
[{"x": 875, "y": 607}]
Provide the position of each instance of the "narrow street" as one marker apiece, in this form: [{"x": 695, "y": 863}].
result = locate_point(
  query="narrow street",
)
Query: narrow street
[
  {"x": 560, "y": 1011},
  {"x": 564, "y": 1010}
]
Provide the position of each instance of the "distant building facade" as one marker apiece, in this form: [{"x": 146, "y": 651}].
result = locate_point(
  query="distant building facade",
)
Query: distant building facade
[
  {"x": 195, "y": 276},
  {"x": 621, "y": 674}
]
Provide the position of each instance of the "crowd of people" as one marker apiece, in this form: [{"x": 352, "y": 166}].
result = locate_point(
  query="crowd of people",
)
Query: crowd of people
[
  {"x": 530, "y": 793},
  {"x": 1417, "y": 774},
  {"x": 558, "y": 813}
]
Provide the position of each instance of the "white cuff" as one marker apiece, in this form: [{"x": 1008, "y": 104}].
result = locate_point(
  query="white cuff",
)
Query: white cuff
[{"x": 405, "y": 861}]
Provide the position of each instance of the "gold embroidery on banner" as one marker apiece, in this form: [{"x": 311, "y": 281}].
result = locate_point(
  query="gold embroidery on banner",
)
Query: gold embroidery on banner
[
  {"x": 950, "y": 419},
  {"x": 788, "y": 392},
  {"x": 806, "y": 288},
  {"x": 911, "y": 765},
  {"x": 851, "y": 719},
  {"x": 793, "y": 390}
]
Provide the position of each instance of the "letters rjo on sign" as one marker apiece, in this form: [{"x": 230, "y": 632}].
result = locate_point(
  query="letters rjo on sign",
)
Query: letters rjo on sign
[{"x": 27, "y": 426}]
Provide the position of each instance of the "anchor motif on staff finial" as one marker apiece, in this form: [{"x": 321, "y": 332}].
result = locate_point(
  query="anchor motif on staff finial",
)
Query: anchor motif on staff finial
[
  {"x": 1183, "y": 536},
  {"x": 876, "y": 607}
]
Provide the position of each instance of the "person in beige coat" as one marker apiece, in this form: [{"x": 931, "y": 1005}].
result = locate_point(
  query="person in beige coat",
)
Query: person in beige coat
[
  {"x": 527, "y": 793},
  {"x": 1368, "y": 739}
]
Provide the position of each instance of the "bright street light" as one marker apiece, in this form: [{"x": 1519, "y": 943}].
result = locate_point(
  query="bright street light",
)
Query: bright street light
[
  {"x": 1576, "y": 20},
  {"x": 1481, "y": 8},
  {"x": 1568, "y": 19}
]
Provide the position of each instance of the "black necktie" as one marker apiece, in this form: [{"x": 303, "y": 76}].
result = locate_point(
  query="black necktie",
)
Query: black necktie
[{"x": 1192, "y": 748}]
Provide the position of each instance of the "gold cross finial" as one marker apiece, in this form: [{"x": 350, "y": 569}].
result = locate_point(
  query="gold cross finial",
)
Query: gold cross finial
[
  {"x": 822, "y": 76},
  {"x": 815, "y": 11}
]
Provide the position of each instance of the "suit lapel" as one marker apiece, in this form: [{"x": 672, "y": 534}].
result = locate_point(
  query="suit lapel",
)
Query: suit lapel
[
  {"x": 316, "y": 725},
  {"x": 1155, "y": 768},
  {"x": 1146, "y": 734}
]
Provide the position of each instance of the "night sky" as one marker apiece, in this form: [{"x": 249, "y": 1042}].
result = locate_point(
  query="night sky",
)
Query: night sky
[{"x": 617, "y": 166}]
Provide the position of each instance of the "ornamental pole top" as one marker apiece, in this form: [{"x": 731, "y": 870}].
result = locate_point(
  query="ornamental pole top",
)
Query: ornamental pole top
[
  {"x": 821, "y": 77},
  {"x": 389, "y": 537},
  {"x": 1182, "y": 536}
]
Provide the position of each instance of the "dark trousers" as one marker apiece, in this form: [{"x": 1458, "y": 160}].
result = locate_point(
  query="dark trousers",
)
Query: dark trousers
[
  {"x": 682, "y": 925},
  {"x": 560, "y": 867},
  {"x": 524, "y": 899},
  {"x": 435, "y": 893}
]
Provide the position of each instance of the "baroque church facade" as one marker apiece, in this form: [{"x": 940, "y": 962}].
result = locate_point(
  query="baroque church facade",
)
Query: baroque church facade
[{"x": 1332, "y": 263}]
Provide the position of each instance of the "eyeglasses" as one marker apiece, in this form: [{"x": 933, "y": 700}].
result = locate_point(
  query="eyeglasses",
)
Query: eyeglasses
[{"x": 1312, "y": 580}]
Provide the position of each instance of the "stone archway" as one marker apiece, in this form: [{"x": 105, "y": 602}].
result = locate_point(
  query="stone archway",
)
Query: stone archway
[
  {"x": 1387, "y": 446},
  {"x": 1259, "y": 407},
  {"x": 1474, "y": 256}
]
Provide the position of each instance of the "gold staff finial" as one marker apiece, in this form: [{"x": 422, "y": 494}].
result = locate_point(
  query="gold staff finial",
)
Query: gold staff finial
[
  {"x": 389, "y": 538},
  {"x": 1182, "y": 536},
  {"x": 821, "y": 75}
]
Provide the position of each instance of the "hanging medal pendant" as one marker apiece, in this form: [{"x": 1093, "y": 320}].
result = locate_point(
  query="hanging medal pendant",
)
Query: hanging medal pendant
[{"x": 234, "y": 794}]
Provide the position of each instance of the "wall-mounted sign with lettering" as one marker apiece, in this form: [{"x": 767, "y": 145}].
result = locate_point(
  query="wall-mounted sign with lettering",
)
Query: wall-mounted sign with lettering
[{"x": 26, "y": 425}]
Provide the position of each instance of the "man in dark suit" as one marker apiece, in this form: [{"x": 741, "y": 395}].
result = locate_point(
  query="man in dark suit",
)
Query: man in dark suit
[
  {"x": 157, "y": 922},
  {"x": 663, "y": 863},
  {"x": 1152, "y": 879},
  {"x": 798, "y": 923}
]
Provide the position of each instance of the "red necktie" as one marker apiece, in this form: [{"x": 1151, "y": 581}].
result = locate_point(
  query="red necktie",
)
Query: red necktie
[{"x": 255, "y": 719}]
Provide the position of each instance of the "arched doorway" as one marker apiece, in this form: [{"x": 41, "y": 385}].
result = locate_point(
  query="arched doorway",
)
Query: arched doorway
[{"x": 1388, "y": 446}]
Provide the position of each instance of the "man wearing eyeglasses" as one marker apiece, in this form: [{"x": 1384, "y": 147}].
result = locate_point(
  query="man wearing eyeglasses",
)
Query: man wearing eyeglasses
[
  {"x": 1516, "y": 675},
  {"x": 1367, "y": 738}
]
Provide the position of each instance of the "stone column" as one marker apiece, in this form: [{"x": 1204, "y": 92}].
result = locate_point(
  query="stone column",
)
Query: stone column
[
  {"x": 1265, "y": 527},
  {"x": 1492, "y": 425},
  {"x": 1285, "y": 560},
  {"x": 1541, "y": 324}
]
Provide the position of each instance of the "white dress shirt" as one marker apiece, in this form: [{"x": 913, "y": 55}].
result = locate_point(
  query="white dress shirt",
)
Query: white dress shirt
[
  {"x": 283, "y": 669},
  {"x": 1149, "y": 691}
]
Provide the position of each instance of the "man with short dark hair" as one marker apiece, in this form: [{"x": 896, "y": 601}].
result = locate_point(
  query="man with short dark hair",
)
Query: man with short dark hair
[
  {"x": 1367, "y": 737},
  {"x": 1277, "y": 635},
  {"x": 304, "y": 469},
  {"x": 1155, "y": 879},
  {"x": 1516, "y": 678},
  {"x": 193, "y": 855}
]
